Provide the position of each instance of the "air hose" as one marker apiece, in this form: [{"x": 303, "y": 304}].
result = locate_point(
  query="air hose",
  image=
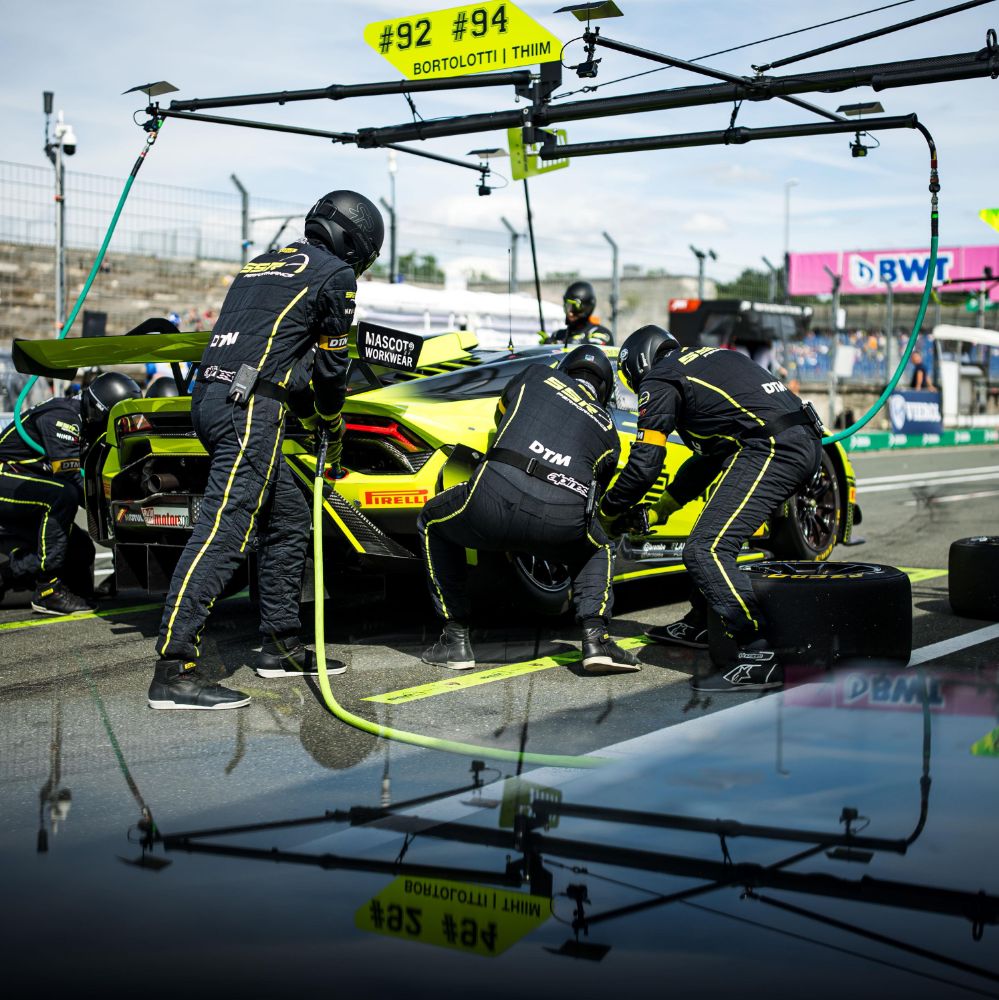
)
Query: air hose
[
  {"x": 399, "y": 735},
  {"x": 153, "y": 128},
  {"x": 924, "y": 302}
]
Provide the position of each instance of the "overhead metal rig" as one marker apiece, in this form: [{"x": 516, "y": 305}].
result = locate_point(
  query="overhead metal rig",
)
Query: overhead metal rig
[{"x": 543, "y": 108}]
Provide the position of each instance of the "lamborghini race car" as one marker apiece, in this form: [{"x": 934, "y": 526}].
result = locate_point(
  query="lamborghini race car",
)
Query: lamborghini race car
[{"x": 418, "y": 410}]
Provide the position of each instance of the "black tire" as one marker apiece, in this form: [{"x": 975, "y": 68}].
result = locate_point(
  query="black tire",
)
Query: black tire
[
  {"x": 543, "y": 586},
  {"x": 811, "y": 527},
  {"x": 821, "y": 613},
  {"x": 973, "y": 581}
]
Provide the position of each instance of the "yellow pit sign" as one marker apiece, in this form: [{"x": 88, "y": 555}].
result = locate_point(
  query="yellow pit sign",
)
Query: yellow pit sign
[{"x": 461, "y": 40}]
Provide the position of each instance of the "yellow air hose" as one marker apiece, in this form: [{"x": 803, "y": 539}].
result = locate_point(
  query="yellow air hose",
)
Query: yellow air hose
[{"x": 400, "y": 735}]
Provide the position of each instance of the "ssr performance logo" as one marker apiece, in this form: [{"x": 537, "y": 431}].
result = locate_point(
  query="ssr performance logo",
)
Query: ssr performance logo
[
  {"x": 902, "y": 270},
  {"x": 395, "y": 498}
]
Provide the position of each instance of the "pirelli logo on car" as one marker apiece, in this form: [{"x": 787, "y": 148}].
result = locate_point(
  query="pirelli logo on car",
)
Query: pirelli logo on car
[{"x": 395, "y": 498}]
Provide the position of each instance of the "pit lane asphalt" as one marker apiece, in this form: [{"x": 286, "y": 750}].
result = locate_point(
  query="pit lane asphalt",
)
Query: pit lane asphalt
[{"x": 93, "y": 673}]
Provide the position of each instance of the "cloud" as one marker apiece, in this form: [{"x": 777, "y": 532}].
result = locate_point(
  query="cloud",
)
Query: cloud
[{"x": 704, "y": 224}]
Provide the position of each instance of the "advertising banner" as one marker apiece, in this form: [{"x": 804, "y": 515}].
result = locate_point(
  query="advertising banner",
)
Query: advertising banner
[
  {"x": 866, "y": 272},
  {"x": 913, "y": 411}
]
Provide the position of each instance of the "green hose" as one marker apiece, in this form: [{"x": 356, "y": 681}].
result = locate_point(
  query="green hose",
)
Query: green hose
[
  {"x": 924, "y": 302},
  {"x": 401, "y": 736},
  {"x": 25, "y": 436}
]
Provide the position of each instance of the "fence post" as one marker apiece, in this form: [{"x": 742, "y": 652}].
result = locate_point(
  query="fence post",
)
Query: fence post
[{"x": 244, "y": 196}]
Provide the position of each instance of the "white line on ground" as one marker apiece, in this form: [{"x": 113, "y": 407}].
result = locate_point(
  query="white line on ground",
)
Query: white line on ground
[
  {"x": 937, "y": 649},
  {"x": 874, "y": 480},
  {"x": 954, "y": 497},
  {"x": 863, "y": 489}
]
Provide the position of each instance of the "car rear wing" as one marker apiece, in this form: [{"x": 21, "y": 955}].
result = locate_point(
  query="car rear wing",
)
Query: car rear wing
[{"x": 375, "y": 345}]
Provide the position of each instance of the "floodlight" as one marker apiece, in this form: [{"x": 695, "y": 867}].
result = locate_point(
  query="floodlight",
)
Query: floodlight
[
  {"x": 855, "y": 110},
  {"x": 153, "y": 89},
  {"x": 592, "y": 11}
]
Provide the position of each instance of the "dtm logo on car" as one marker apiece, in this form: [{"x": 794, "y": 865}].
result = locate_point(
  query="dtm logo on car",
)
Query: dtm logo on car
[
  {"x": 556, "y": 458},
  {"x": 224, "y": 339},
  {"x": 395, "y": 498},
  {"x": 901, "y": 270},
  {"x": 771, "y": 387}
]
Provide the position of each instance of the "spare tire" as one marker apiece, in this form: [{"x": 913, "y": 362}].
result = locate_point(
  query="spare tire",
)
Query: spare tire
[
  {"x": 819, "y": 613},
  {"x": 973, "y": 582}
]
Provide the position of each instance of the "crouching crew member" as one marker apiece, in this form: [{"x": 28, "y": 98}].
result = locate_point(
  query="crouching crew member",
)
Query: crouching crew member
[
  {"x": 579, "y": 300},
  {"x": 278, "y": 310},
  {"x": 40, "y": 495},
  {"x": 556, "y": 449},
  {"x": 730, "y": 413}
]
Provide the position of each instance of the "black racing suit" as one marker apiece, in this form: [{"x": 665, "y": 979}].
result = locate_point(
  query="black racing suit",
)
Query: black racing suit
[
  {"x": 280, "y": 307},
  {"x": 724, "y": 407},
  {"x": 39, "y": 497},
  {"x": 548, "y": 423},
  {"x": 585, "y": 330}
]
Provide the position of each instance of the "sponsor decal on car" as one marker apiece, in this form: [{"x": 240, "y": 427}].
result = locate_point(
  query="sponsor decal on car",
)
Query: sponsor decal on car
[
  {"x": 395, "y": 498},
  {"x": 166, "y": 517}
]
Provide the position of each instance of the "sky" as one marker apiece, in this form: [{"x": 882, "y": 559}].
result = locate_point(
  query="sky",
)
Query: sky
[{"x": 654, "y": 204}]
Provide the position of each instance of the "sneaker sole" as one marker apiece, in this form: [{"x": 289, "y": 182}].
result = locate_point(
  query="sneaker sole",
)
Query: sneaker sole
[
  {"x": 272, "y": 672},
  {"x": 600, "y": 665},
  {"x": 670, "y": 641},
  {"x": 58, "y": 614},
  {"x": 455, "y": 665},
  {"x": 168, "y": 705},
  {"x": 735, "y": 688}
]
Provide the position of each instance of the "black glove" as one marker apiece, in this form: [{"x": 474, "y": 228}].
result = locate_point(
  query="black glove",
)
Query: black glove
[
  {"x": 632, "y": 522},
  {"x": 333, "y": 427}
]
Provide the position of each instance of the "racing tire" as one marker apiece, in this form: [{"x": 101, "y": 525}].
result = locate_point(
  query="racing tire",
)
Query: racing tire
[
  {"x": 810, "y": 528},
  {"x": 973, "y": 581},
  {"x": 542, "y": 586},
  {"x": 820, "y": 613}
]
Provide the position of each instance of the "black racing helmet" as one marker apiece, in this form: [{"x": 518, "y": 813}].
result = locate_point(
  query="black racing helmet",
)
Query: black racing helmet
[
  {"x": 161, "y": 387},
  {"x": 348, "y": 224},
  {"x": 641, "y": 350},
  {"x": 579, "y": 298},
  {"x": 589, "y": 364},
  {"x": 103, "y": 392}
]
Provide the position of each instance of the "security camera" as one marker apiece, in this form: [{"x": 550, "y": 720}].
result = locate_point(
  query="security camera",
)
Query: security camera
[{"x": 64, "y": 133}]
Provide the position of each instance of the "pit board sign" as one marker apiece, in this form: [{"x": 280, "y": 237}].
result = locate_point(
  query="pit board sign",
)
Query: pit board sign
[{"x": 476, "y": 38}]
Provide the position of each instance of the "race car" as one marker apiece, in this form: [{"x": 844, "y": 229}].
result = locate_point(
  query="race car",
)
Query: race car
[{"x": 419, "y": 413}]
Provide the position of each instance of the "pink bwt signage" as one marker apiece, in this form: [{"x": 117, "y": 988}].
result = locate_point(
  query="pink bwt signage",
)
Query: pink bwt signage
[{"x": 867, "y": 272}]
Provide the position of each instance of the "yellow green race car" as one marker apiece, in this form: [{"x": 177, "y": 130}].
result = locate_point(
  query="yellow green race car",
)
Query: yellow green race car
[{"x": 417, "y": 409}]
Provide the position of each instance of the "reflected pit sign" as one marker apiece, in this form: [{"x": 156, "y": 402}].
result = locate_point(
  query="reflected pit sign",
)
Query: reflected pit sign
[
  {"x": 476, "y": 38},
  {"x": 476, "y": 919}
]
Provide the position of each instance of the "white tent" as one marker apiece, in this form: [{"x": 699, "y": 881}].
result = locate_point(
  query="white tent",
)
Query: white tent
[{"x": 494, "y": 317}]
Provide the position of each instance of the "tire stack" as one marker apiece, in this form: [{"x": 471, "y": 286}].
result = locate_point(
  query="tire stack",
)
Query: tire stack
[
  {"x": 973, "y": 580},
  {"x": 818, "y": 614}
]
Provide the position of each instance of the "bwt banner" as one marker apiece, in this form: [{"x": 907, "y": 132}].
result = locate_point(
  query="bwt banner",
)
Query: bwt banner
[
  {"x": 866, "y": 272},
  {"x": 915, "y": 412}
]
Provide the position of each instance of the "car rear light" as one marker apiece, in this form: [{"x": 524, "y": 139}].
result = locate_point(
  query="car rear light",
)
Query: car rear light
[
  {"x": 131, "y": 423},
  {"x": 386, "y": 428}
]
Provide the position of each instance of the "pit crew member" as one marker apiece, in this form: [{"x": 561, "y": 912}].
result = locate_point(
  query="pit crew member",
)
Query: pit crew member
[
  {"x": 556, "y": 449},
  {"x": 281, "y": 307},
  {"x": 40, "y": 495},
  {"x": 579, "y": 300},
  {"x": 734, "y": 417}
]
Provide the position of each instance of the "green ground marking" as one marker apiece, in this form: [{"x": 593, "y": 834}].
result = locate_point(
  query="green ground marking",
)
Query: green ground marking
[{"x": 489, "y": 676}]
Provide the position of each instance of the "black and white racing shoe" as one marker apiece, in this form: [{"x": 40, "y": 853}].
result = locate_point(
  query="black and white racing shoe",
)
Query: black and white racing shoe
[
  {"x": 681, "y": 633},
  {"x": 292, "y": 659},
  {"x": 755, "y": 668},
  {"x": 452, "y": 650},
  {"x": 177, "y": 684},
  {"x": 54, "y": 598},
  {"x": 601, "y": 655}
]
